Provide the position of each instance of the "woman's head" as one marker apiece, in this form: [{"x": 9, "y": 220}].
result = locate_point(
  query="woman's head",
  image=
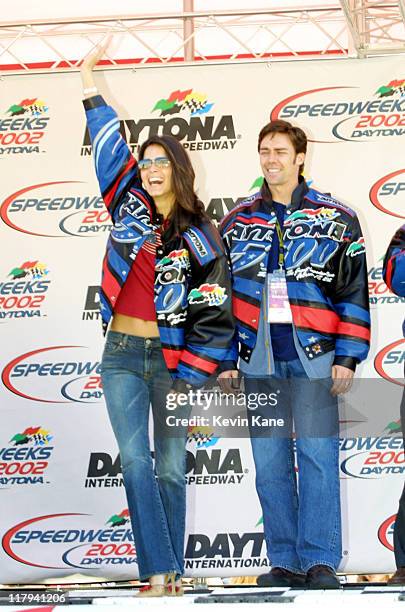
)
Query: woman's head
[
  {"x": 170, "y": 176},
  {"x": 157, "y": 173}
]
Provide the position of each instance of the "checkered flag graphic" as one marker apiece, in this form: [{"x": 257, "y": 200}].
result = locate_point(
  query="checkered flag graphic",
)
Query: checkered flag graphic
[
  {"x": 199, "y": 438},
  {"x": 35, "y": 109},
  {"x": 401, "y": 91},
  {"x": 40, "y": 439},
  {"x": 193, "y": 105},
  {"x": 37, "y": 273}
]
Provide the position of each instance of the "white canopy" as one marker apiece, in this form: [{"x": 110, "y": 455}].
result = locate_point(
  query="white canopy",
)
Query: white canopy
[{"x": 54, "y": 36}]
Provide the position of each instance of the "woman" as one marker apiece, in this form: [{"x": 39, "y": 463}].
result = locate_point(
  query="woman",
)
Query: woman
[{"x": 166, "y": 294}]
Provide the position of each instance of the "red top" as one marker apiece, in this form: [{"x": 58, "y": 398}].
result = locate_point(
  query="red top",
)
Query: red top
[{"x": 136, "y": 298}]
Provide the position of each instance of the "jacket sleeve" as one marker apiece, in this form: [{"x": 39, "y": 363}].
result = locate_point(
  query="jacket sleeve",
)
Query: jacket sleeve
[
  {"x": 210, "y": 325},
  {"x": 350, "y": 299},
  {"x": 230, "y": 361},
  {"x": 115, "y": 165},
  {"x": 394, "y": 263}
]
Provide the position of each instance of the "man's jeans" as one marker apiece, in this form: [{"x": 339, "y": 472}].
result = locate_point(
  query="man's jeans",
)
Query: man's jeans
[
  {"x": 302, "y": 521},
  {"x": 134, "y": 375}
]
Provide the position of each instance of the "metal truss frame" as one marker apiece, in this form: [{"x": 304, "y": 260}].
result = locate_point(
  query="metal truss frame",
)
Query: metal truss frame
[
  {"x": 333, "y": 29},
  {"x": 376, "y": 27}
]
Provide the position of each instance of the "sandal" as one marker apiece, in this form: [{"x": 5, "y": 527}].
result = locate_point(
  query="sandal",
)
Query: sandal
[
  {"x": 152, "y": 590},
  {"x": 173, "y": 589}
]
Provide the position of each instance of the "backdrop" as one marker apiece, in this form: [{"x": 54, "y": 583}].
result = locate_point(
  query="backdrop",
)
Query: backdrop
[{"x": 63, "y": 507}]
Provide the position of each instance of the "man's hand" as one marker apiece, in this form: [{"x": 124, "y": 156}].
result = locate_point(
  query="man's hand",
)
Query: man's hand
[
  {"x": 342, "y": 379},
  {"x": 229, "y": 381}
]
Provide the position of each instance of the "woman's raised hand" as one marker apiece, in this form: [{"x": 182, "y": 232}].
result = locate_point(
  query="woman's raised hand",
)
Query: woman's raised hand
[
  {"x": 95, "y": 55},
  {"x": 91, "y": 59}
]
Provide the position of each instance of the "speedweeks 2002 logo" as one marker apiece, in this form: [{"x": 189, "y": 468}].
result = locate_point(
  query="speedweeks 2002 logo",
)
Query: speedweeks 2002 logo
[
  {"x": 51, "y": 210},
  {"x": 188, "y": 116},
  {"x": 23, "y": 127},
  {"x": 389, "y": 362},
  {"x": 378, "y": 290},
  {"x": 23, "y": 293},
  {"x": 345, "y": 113},
  {"x": 373, "y": 457},
  {"x": 60, "y": 541},
  {"x": 387, "y": 194},
  {"x": 25, "y": 459},
  {"x": 386, "y": 532},
  {"x": 54, "y": 374}
]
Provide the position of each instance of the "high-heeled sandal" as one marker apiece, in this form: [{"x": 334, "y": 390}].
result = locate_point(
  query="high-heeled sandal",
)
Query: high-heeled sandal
[
  {"x": 152, "y": 590},
  {"x": 173, "y": 589}
]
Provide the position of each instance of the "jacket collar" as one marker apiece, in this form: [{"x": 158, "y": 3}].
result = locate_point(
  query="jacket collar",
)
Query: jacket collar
[{"x": 297, "y": 196}]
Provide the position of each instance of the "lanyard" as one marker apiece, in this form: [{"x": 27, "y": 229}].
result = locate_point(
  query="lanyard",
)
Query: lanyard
[{"x": 280, "y": 245}]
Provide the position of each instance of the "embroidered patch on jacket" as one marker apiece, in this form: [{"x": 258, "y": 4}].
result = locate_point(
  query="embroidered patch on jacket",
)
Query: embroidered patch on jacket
[
  {"x": 197, "y": 242},
  {"x": 356, "y": 248},
  {"x": 212, "y": 294},
  {"x": 320, "y": 214},
  {"x": 178, "y": 258},
  {"x": 319, "y": 223}
]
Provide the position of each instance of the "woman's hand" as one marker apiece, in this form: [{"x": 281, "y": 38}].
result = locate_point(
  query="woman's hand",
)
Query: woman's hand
[{"x": 90, "y": 61}]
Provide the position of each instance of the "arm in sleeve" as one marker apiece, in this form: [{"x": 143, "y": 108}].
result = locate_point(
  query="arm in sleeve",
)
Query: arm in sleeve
[
  {"x": 351, "y": 300},
  {"x": 230, "y": 361},
  {"x": 115, "y": 165},
  {"x": 394, "y": 263},
  {"x": 210, "y": 324}
]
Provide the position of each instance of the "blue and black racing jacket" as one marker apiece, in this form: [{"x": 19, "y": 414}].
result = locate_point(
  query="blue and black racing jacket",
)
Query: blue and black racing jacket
[
  {"x": 326, "y": 274},
  {"x": 394, "y": 265},
  {"x": 192, "y": 280}
]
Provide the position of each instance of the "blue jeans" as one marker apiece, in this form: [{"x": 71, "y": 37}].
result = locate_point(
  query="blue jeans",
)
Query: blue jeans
[
  {"x": 135, "y": 376},
  {"x": 302, "y": 520}
]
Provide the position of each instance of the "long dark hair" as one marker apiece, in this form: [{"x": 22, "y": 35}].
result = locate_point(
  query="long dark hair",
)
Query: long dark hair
[{"x": 188, "y": 209}]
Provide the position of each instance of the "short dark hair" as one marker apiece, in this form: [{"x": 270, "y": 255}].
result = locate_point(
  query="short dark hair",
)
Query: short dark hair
[
  {"x": 188, "y": 209},
  {"x": 296, "y": 135}
]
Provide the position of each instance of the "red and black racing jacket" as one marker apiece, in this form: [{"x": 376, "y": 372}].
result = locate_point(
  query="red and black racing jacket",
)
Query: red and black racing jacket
[
  {"x": 192, "y": 279},
  {"x": 326, "y": 273}
]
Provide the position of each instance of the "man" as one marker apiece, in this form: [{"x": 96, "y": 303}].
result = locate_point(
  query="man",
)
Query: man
[
  {"x": 394, "y": 276},
  {"x": 300, "y": 299}
]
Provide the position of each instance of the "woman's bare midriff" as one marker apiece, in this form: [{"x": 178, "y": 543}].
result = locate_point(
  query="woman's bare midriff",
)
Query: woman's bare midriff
[{"x": 134, "y": 326}]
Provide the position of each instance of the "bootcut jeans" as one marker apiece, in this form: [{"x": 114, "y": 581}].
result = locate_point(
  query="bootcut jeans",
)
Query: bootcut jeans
[
  {"x": 301, "y": 516},
  {"x": 135, "y": 377}
]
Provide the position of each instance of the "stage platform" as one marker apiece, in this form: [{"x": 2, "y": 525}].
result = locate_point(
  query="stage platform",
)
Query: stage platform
[{"x": 356, "y": 597}]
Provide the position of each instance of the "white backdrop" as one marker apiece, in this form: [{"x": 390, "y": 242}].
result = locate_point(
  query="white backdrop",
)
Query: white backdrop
[{"x": 64, "y": 508}]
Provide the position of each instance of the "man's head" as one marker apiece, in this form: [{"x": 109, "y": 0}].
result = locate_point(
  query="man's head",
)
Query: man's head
[{"x": 282, "y": 148}]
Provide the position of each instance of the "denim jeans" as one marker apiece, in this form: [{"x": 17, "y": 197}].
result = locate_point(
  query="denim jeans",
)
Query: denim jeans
[
  {"x": 301, "y": 517},
  {"x": 135, "y": 376}
]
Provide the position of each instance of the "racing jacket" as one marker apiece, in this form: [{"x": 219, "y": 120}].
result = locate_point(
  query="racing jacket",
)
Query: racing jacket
[
  {"x": 394, "y": 265},
  {"x": 326, "y": 274},
  {"x": 192, "y": 281}
]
